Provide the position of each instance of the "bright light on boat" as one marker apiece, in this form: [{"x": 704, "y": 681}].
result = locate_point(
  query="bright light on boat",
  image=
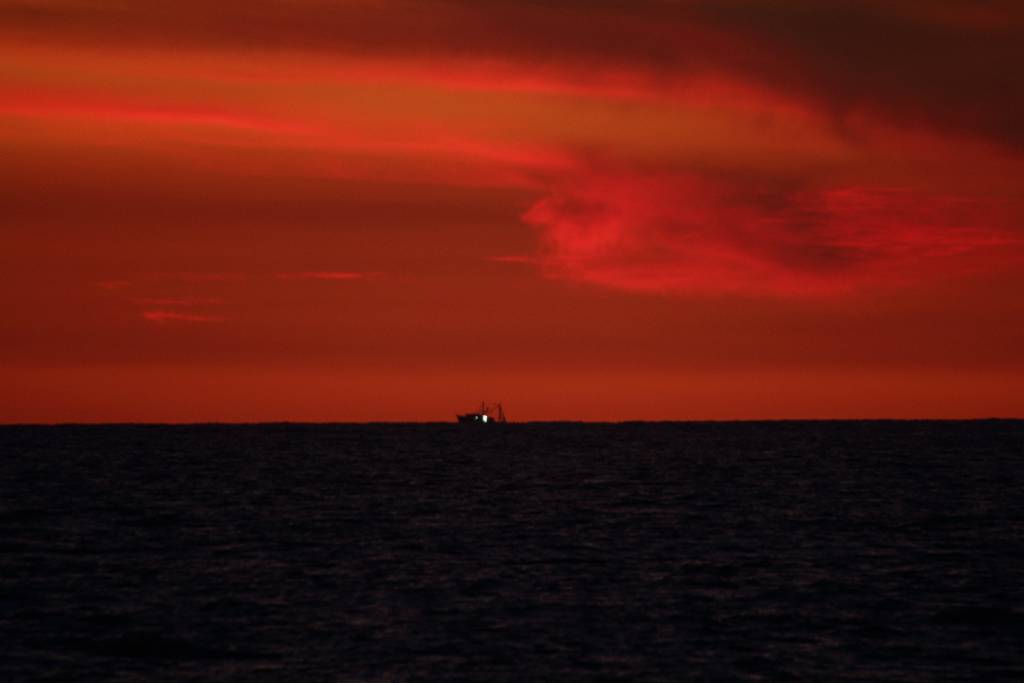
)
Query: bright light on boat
[{"x": 485, "y": 418}]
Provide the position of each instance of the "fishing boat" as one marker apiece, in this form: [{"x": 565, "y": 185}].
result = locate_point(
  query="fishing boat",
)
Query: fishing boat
[{"x": 488, "y": 414}]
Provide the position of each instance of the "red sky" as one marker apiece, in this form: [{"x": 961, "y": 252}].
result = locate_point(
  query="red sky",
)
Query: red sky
[{"x": 389, "y": 210}]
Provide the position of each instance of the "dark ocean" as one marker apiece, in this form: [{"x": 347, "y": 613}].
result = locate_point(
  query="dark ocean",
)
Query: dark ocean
[{"x": 810, "y": 551}]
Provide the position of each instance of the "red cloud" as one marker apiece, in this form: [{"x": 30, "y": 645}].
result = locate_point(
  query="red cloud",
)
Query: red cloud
[
  {"x": 149, "y": 301},
  {"x": 321, "y": 275},
  {"x": 99, "y": 110},
  {"x": 690, "y": 234},
  {"x": 111, "y": 285},
  {"x": 206, "y": 277},
  {"x": 175, "y": 316},
  {"x": 948, "y": 65},
  {"x": 513, "y": 258}
]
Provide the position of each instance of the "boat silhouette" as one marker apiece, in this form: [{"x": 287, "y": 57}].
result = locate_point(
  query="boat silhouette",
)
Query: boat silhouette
[{"x": 488, "y": 414}]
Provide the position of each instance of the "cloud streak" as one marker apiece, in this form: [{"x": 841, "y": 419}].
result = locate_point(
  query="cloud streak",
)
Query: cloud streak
[
  {"x": 926, "y": 63},
  {"x": 329, "y": 276},
  {"x": 178, "y": 302},
  {"x": 161, "y": 317}
]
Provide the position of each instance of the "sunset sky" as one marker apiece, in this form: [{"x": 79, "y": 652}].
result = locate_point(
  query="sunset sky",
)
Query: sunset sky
[{"x": 607, "y": 210}]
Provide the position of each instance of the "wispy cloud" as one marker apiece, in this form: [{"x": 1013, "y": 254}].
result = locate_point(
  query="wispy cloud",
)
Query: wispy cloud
[
  {"x": 321, "y": 275},
  {"x": 178, "y": 316},
  {"x": 177, "y": 302},
  {"x": 941, "y": 63},
  {"x": 513, "y": 258},
  {"x": 113, "y": 285},
  {"x": 188, "y": 276}
]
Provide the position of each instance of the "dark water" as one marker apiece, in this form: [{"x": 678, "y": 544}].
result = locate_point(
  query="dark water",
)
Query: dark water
[{"x": 751, "y": 551}]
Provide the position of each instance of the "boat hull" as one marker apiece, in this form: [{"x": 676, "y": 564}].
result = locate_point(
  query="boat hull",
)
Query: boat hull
[{"x": 476, "y": 419}]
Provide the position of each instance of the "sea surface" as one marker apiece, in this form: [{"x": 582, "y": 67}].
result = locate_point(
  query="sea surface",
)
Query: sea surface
[{"x": 804, "y": 551}]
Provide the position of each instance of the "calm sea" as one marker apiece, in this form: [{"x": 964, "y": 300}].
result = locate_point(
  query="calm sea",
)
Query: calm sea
[{"x": 811, "y": 551}]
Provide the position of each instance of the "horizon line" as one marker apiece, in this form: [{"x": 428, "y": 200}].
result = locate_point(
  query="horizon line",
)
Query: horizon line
[{"x": 240, "y": 423}]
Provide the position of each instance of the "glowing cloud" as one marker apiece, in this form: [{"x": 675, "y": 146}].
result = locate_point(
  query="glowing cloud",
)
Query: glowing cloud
[{"x": 691, "y": 234}]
